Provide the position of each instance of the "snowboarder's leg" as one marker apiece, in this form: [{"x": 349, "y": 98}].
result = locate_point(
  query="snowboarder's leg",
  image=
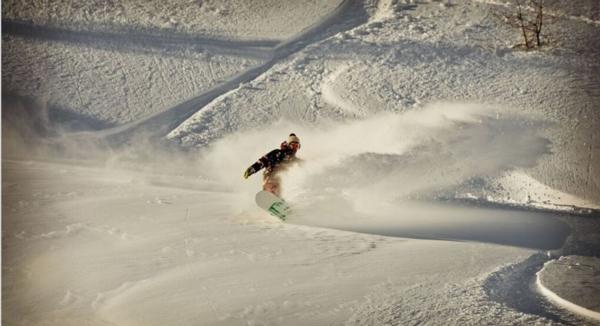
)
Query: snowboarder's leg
[{"x": 272, "y": 184}]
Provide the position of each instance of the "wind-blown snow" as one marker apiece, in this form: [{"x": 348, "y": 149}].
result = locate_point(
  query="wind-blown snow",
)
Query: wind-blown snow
[{"x": 392, "y": 155}]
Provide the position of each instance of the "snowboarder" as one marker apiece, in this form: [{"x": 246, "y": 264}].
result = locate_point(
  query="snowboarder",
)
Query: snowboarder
[{"x": 275, "y": 162}]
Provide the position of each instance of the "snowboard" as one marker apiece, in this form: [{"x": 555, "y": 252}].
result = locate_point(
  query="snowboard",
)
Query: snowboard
[{"x": 272, "y": 204}]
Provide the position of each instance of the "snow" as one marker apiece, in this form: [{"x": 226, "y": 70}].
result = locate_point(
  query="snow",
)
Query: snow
[
  {"x": 392, "y": 69},
  {"x": 111, "y": 86},
  {"x": 521, "y": 189},
  {"x": 232, "y": 19},
  {"x": 100, "y": 245},
  {"x": 442, "y": 167},
  {"x": 572, "y": 282}
]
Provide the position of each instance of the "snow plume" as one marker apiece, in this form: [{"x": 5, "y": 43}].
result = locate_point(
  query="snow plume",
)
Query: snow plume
[
  {"x": 34, "y": 130},
  {"x": 420, "y": 152},
  {"x": 388, "y": 156},
  {"x": 23, "y": 125}
]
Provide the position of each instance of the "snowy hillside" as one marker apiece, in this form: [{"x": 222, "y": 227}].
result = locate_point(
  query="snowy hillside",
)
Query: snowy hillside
[
  {"x": 448, "y": 177},
  {"x": 233, "y": 19},
  {"x": 414, "y": 56}
]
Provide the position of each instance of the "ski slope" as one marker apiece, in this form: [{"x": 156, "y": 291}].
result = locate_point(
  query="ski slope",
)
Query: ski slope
[
  {"x": 90, "y": 245},
  {"x": 442, "y": 167}
]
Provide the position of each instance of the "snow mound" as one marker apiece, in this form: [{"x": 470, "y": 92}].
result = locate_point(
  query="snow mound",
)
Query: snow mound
[{"x": 572, "y": 282}]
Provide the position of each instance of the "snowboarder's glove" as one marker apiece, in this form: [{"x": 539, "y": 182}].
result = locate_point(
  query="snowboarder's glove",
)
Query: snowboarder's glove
[
  {"x": 249, "y": 171},
  {"x": 253, "y": 169}
]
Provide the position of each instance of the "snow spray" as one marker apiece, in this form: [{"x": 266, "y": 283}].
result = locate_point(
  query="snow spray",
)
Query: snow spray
[{"x": 387, "y": 156}]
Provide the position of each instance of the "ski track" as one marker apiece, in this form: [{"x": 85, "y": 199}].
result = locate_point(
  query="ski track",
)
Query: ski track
[
  {"x": 161, "y": 123},
  {"x": 331, "y": 96},
  {"x": 141, "y": 42}
]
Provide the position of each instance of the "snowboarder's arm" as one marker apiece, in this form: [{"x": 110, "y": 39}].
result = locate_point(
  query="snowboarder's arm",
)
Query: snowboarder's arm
[
  {"x": 263, "y": 162},
  {"x": 253, "y": 169}
]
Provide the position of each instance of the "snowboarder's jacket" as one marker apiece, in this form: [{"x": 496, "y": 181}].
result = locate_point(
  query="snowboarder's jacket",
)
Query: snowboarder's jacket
[{"x": 274, "y": 161}]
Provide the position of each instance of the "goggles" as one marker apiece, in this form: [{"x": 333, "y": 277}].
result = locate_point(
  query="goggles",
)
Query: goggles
[{"x": 294, "y": 145}]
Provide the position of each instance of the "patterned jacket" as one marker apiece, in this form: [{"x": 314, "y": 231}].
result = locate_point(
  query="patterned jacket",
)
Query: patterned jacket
[{"x": 275, "y": 161}]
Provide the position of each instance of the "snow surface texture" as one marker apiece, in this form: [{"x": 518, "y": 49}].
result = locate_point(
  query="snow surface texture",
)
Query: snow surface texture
[
  {"x": 111, "y": 86},
  {"x": 125, "y": 72},
  {"x": 399, "y": 104},
  {"x": 232, "y": 19},
  {"x": 89, "y": 245},
  {"x": 573, "y": 282}
]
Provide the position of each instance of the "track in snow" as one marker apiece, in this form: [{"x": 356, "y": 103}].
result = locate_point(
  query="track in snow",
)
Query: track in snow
[
  {"x": 349, "y": 13},
  {"x": 142, "y": 41}
]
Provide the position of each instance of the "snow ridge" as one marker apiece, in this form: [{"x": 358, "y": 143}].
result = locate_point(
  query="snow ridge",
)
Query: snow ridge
[
  {"x": 584, "y": 286},
  {"x": 331, "y": 96},
  {"x": 565, "y": 303}
]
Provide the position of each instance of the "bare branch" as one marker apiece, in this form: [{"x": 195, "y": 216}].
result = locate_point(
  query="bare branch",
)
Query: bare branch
[{"x": 528, "y": 17}]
